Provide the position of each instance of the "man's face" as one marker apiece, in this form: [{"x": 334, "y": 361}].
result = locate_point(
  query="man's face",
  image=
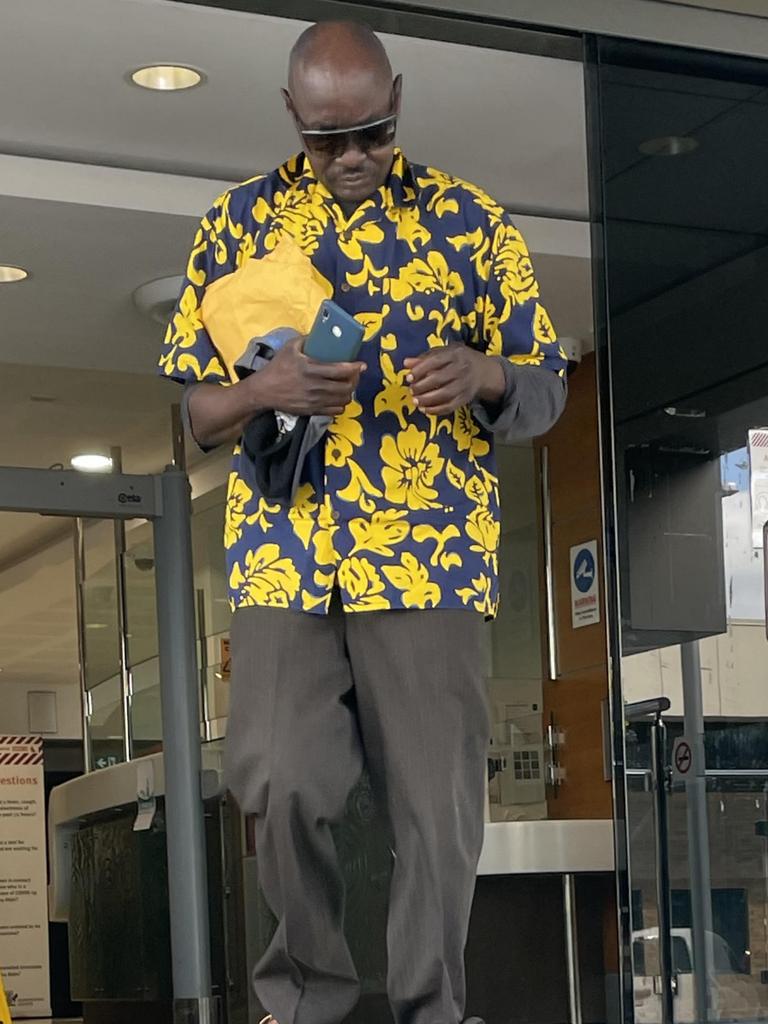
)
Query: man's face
[{"x": 351, "y": 166}]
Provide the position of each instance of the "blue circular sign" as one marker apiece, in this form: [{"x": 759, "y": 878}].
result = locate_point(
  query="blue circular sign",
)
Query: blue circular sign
[{"x": 584, "y": 571}]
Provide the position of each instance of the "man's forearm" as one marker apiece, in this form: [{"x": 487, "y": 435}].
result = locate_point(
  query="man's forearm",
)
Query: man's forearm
[{"x": 218, "y": 415}]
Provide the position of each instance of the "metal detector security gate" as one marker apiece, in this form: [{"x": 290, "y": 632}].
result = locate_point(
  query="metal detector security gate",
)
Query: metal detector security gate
[{"x": 165, "y": 500}]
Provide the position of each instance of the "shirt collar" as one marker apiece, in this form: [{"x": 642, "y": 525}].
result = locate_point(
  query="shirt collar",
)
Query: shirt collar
[{"x": 400, "y": 189}]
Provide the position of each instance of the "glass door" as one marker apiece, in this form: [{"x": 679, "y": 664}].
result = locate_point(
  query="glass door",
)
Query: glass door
[{"x": 683, "y": 139}]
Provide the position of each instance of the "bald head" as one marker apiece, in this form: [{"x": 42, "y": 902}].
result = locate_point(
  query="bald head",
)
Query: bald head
[
  {"x": 340, "y": 78},
  {"x": 338, "y": 46}
]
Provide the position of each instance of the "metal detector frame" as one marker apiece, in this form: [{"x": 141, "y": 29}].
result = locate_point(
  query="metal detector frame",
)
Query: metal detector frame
[{"x": 165, "y": 500}]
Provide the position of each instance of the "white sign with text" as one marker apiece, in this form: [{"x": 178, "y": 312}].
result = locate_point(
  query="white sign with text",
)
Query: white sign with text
[
  {"x": 24, "y": 953},
  {"x": 585, "y": 591}
]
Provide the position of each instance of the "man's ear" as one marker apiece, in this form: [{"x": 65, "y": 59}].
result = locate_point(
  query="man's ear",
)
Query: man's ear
[
  {"x": 288, "y": 102},
  {"x": 397, "y": 93}
]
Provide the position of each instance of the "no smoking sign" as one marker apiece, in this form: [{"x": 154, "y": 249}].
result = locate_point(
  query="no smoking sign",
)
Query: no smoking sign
[{"x": 682, "y": 760}]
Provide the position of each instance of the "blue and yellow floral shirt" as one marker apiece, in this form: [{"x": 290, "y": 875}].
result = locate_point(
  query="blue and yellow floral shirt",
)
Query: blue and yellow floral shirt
[{"x": 398, "y": 509}]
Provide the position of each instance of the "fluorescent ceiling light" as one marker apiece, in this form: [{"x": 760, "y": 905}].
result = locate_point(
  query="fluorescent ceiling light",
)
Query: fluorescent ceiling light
[
  {"x": 10, "y": 274},
  {"x": 89, "y": 462},
  {"x": 685, "y": 414},
  {"x": 166, "y": 77},
  {"x": 669, "y": 145}
]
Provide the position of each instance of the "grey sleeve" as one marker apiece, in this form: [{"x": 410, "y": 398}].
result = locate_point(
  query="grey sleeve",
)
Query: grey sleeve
[{"x": 533, "y": 400}]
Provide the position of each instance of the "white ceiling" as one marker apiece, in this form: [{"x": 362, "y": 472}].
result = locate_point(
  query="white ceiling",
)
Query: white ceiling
[
  {"x": 86, "y": 261},
  {"x": 513, "y": 122},
  {"x": 101, "y": 185}
]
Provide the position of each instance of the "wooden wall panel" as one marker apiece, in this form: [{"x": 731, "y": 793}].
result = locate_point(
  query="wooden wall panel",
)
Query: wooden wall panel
[{"x": 576, "y": 699}]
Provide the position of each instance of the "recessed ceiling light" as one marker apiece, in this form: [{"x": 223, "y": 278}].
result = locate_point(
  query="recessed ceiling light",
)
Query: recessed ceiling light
[
  {"x": 8, "y": 275},
  {"x": 685, "y": 414},
  {"x": 166, "y": 77},
  {"x": 90, "y": 462},
  {"x": 669, "y": 145}
]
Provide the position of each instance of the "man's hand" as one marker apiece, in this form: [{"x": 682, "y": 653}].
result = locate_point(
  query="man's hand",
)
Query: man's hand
[
  {"x": 446, "y": 378},
  {"x": 295, "y": 384}
]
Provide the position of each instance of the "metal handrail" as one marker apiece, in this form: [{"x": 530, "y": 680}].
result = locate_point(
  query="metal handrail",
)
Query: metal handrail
[
  {"x": 637, "y": 710},
  {"x": 714, "y": 773}
]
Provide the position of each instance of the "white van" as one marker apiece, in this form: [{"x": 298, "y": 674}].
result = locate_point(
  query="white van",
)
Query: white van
[{"x": 647, "y": 981}]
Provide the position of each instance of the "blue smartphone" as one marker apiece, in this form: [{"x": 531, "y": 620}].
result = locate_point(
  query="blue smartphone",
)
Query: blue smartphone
[{"x": 336, "y": 337}]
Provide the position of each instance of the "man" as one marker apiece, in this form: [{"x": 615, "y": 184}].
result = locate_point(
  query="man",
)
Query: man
[{"x": 357, "y": 638}]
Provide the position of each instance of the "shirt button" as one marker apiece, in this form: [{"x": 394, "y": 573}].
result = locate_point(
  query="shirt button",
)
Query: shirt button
[
  {"x": 346, "y": 287},
  {"x": 336, "y": 516}
]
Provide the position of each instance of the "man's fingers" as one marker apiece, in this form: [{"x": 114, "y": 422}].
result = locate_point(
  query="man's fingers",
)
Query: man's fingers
[
  {"x": 334, "y": 371},
  {"x": 442, "y": 400},
  {"x": 438, "y": 378},
  {"x": 419, "y": 368}
]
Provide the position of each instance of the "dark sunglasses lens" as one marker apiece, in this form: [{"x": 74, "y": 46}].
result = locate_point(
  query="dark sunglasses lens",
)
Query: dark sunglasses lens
[
  {"x": 377, "y": 135},
  {"x": 327, "y": 145},
  {"x": 336, "y": 144}
]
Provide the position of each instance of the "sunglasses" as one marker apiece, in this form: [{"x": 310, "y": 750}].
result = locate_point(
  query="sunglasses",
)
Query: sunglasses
[{"x": 334, "y": 142}]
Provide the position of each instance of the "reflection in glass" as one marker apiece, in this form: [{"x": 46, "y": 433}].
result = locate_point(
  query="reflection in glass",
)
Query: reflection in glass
[
  {"x": 687, "y": 247},
  {"x": 106, "y": 723},
  {"x": 102, "y": 645},
  {"x": 141, "y": 611},
  {"x": 514, "y": 669}
]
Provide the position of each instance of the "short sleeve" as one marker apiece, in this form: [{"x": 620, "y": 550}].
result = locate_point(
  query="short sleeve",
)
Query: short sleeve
[
  {"x": 188, "y": 355},
  {"x": 515, "y": 323}
]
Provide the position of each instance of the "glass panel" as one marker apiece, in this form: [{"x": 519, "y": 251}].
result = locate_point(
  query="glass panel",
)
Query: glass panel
[
  {"x": 208, "y": 555},
  {"x": 141, "y": 611},
  {"x": 213, "y": 611},
  {"x": 517, "y": 785},
  {"x": 102, "y": 659},
  {"x": 106, "y": 723},
  {"x": 686, "y": 233},
  {"x": 146, "y": 709},
  {"x": 216, "y": 676}
]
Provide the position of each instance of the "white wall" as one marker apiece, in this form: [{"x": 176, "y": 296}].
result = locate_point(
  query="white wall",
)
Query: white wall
[{"x": 14, "y": 716}]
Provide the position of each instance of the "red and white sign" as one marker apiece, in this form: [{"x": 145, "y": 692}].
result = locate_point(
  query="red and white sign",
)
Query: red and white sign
[
  {"x": 24, "y": 952},
  {"x": 758, "y": 483}
]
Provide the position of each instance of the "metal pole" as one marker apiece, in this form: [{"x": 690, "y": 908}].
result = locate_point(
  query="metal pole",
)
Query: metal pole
[
  {"x": 187, "y": 880},
  {"x": 178, "y": 446},
  {"x": 126, "y": 683},
  {"x": 549, "y": 567},
  {"x": 572, "y": 949},
  {"x": 79, "y": 539},
  {"x": 202, "y": 630},
  {"x": 663, "y": 887},
  {"x": 698, "y": 831}
]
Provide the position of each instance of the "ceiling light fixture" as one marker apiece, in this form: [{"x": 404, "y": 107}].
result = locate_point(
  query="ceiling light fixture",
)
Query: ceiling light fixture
[
  {"x": 166, "y": 77},
  {"x": 90, "y": 462},
  {"x": 9, "y": 275},
  {"x": 669, "y": 145},
  {"x": 156, "y": 299},
  {"x": 685, "y": 414}
]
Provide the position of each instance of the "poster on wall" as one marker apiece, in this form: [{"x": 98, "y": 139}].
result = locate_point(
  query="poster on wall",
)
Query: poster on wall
[
  {"x": 758, "y": 483},
  {"x": 23, "y": 878},
  {"x": 585, "y": 590}
]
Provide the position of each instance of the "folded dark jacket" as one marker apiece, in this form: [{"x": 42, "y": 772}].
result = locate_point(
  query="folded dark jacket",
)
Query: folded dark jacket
[{"x": 275, "y": 446}]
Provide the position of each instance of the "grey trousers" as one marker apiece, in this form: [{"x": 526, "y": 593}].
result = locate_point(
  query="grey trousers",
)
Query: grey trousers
[{"x": 314, "y": 700}]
